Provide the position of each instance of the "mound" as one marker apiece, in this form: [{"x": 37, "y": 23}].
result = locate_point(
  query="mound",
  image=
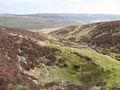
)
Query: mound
[{"x": 103, "y": 37}]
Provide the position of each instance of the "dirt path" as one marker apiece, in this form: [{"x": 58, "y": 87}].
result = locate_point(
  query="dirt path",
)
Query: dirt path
[{"x": 47, "y": 30}]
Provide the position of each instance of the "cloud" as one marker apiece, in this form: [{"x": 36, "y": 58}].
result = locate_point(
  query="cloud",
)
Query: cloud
[
  {"x": 60, "y": 6},
  {"x": 107, "y": 6}
]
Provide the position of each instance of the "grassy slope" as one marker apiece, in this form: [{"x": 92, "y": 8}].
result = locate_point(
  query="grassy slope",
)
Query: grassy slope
[
  {"x": 93, "y": 67},
  {"x": 80, "y": 66}
]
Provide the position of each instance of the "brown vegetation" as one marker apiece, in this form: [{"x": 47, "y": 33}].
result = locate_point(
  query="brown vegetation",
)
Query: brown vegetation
[
  {"x": 103, "y": 37},
  {"x": 23, "y": 51}
]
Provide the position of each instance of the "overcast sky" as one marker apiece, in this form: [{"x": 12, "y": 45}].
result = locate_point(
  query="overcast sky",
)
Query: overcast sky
[{"x": 60, "y": 6}]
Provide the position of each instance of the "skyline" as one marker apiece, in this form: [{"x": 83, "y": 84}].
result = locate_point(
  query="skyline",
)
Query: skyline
[{"x": 61, "y": 6}]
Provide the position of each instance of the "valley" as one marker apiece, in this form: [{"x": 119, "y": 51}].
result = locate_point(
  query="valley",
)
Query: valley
[{"x": 78, "y": 57}]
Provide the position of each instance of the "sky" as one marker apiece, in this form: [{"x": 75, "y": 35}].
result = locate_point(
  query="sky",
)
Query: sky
[{"x": 60, "y": 6}]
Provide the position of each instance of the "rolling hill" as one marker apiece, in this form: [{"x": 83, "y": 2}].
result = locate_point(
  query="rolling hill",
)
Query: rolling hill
[
  {"x": 104, "y": 37},
  {"x": 35, "y": 61}
]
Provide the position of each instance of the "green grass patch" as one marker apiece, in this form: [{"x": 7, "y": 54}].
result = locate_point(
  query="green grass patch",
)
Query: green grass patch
[
  {"x": 93, "y": 67},
  {"x": 20, "y": 87}
]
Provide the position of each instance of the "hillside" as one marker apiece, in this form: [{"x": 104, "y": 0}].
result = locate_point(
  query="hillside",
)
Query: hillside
[
  {"x": 104, "y": 37},
  {"x": 29, "y": 22},
  {"x": 34, "y": 61}
]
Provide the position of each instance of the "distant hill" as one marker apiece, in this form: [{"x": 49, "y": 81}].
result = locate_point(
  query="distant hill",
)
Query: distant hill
[
  {"x": 85, "y": 17},
  {"x": 29, "y": 22},
  {"x": 46, "y": 20}
]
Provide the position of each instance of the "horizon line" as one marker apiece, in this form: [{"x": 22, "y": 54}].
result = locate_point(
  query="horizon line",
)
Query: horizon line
[{"x": 57, "y": 13}]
